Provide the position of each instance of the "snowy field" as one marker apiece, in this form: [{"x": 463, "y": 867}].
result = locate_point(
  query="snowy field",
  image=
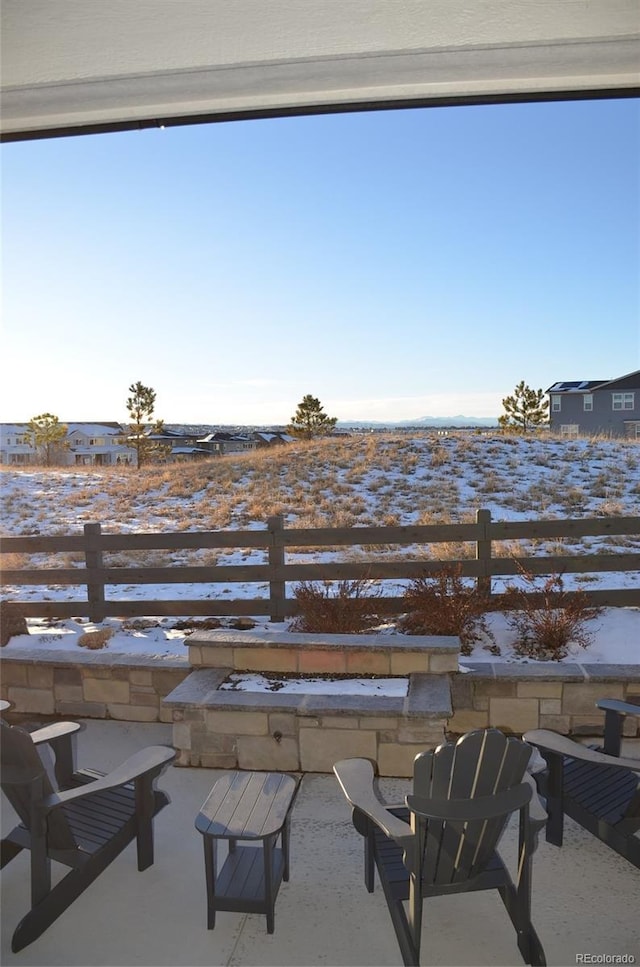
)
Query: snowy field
[{"x": 364, "y": 480}]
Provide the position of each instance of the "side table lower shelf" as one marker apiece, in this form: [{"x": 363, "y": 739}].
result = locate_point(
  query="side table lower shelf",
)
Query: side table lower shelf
[{"x": 241, "y": 885}]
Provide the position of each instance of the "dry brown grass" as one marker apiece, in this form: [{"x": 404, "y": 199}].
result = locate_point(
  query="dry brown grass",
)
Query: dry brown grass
[{"x": 368, "y": 479}]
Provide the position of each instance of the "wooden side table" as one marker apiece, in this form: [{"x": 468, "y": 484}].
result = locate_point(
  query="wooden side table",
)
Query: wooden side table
[{"x": 251, "y": 806}]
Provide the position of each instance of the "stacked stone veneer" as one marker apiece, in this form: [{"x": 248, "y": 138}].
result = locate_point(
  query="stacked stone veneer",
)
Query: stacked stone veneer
[
  {"x": 550, "y": 695},
  {"x": 265, "y": 731},
  {"x": 90, "y": 685},
  {"x": 309, "y": 732}
]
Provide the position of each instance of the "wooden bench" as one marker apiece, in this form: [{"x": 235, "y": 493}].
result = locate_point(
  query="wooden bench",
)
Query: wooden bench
[{"x": 249, "y": 806}]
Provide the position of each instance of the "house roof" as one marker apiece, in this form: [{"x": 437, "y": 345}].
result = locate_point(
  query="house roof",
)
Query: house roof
[
  {"x": 629, "y": 381},
  {"x": 222, "y": 437},
  {"x": 589, "y": 385},
  {"x": 271, "y": 436},
  {"x": 95, "y": 429},
  {"x": 178, "y": 450},
  {"x": 576, "y": 386}
]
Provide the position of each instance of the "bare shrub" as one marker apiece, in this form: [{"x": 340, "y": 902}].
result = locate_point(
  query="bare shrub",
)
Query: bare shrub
[
  {"x": 439, "y": 454},
  {"x": 443, "y": 604},
  {"x": 95, "y": 639},
  {"x": 341, "y": 607},
  {"x": 547, "y": 619},
  {"x": 610, "y": 508}
]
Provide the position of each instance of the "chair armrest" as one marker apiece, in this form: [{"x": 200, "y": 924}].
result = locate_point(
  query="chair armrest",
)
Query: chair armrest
[
  {"x": 59, "y": 737},
  {"x": 54, "y": 731},
  {"x": 153, "y": 759},
  {"x": 356, "y": 781},
  {"x": 622, "y": 708},
  {"x": 562, "y": 745}
]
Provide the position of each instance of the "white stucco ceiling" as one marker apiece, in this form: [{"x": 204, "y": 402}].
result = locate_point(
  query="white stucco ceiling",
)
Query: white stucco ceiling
[{"x": 79, "y": 65}]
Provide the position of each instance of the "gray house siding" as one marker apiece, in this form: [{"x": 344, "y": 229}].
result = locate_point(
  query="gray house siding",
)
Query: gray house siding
[{"x": 573, "y": 419}]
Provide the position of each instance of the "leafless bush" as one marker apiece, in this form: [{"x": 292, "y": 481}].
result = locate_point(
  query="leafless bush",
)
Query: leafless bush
[
  {"x": 341, "y": 607},
  {"x": 547, "y": 619},
  {"x": 443, "y": 604},
  {"x": 94, "y": 640}
]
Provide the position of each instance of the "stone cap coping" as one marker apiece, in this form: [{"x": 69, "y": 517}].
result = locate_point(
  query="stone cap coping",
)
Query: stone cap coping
[
  {"x": 550, "y": 671},
  {"x": 442, "y": 644},
  {"x": 428, "y": 697},
  {"x": 41, "y": 656}
]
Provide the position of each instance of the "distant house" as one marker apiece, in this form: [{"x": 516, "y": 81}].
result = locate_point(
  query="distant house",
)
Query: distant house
[
  {"x": 97, "y": 444},
  {"x": 181, "y": 454},
  {"x": 86, "y": 444},
  {"x": 16, "y": 445},
  {"x": 596, "y": 406},
  {"x": 220, "y": 443},
  {"x": 270, "y": 438}
]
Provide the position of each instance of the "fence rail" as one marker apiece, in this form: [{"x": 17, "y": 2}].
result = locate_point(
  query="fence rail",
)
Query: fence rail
[{"x": 276, "y": 540}]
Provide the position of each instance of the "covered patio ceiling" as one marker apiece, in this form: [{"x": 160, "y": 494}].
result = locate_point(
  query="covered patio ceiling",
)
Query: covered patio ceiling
[{"x": 72, "y": 67}]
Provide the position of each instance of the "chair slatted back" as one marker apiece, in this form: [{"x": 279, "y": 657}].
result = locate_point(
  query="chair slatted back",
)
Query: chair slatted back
[
  {"x": 25, "y": 781},
  {"x": 481, "y": 763}
]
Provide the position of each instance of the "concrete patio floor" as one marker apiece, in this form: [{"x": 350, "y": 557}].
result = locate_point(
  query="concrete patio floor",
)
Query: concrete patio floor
[{"x": 586, "y": 899}]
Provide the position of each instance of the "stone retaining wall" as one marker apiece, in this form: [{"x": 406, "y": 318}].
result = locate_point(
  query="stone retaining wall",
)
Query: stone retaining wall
[
  {"x": 560, "y": 697},
  {"x": 309, "y": 654},
  {"x": 275, "y": 731},
  {"x": 305, "y": 732},
  {"x": 91, "y": 685}
]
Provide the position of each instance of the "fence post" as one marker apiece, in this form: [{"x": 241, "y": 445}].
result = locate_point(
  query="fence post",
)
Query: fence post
[
  {"x": 483, "y": 550},
  {"x": 93, "y": 560},
  {"x": 277, "y": 590}
]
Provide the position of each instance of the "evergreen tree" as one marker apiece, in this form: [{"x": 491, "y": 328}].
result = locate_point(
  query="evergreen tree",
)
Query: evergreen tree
[
  {"x": 310, "y": 420},
  {"x": 48, "y": 435},
  {"x": 524, "y": 410},
  {"x": 141, "y": 405}
]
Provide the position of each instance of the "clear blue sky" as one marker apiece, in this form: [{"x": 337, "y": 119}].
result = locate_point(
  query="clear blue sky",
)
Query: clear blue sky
[{"x": 394, "y": 264}]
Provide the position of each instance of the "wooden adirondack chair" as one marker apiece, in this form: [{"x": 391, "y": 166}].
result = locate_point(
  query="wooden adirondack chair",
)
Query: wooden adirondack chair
[
  {"x": 445, "y": 840},
  {"x": 595, "y": 786},
  {"x": 84, "y": 823}
]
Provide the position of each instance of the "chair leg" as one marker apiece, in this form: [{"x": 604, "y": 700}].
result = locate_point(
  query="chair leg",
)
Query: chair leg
[
  {"x": 7, "y": 851},
  {"x": 517, "y": 898},
  {"x": 404, "y": 935},
  {"x": 531, "y": 949},
  {"x": 145, "y": 809},
  {"x": 415, "y": 913},
  {"x": 369, "y": 863},
  {"x": 555, "y": 805},
  {"x": 49, "y": 908}
]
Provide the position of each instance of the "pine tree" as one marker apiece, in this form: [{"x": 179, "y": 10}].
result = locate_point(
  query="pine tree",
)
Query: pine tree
[
  {"x": 310, "y": 420},
  {"x": 524, "y": 410},
  {"x": 141, "y": 405},
  {"x": 48, "y": 435}
]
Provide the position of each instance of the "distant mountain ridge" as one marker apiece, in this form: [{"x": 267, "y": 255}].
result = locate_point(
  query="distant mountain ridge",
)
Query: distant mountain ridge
[
  {"x": 422, "y": 421},
  {"x": 426, "y": 421}
]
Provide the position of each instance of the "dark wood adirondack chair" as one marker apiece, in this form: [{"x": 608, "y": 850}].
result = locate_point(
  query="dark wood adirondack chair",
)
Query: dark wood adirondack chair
[
  {"x": 83, "y": 824},
  {"x": 596, "y": 786},
  {"x": 445, "y": 839}
]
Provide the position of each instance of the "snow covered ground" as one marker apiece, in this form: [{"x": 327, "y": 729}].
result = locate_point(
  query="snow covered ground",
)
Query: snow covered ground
[
  {"x": 615, "y": 637},
  {"x": 359, "y": 481}
]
